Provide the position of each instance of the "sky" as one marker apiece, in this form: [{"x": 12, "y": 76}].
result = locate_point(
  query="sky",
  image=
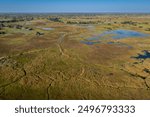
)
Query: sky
[{"x": 96, "y": 6}]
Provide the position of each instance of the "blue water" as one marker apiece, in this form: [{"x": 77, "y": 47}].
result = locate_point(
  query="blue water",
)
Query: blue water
[
  {"x": 114, "y": 34},
  {"x": 47, "y": 28},
  {"x": 119, "y": 34},
  {"x": 145, "y": 55},
  {"x": 90, "y": 42}
]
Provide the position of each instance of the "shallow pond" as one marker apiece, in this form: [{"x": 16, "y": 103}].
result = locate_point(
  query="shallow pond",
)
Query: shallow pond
[
  {"x": 48, "y": 28},
  {"x": 145, "y": 55},
  {"x": 114, "y": 34},
  {"x": 118, "y": 34},
  {"x": 90, "y": 42}
]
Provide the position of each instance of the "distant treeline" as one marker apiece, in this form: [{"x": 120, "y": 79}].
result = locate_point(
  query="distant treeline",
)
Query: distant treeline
[
  {"x": 83, "y": 22},
  {"x": 56, "y": 19},
  {"x": 16, "y": 19}
]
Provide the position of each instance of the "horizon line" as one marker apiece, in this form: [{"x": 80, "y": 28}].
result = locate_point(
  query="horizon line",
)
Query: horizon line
[{"x": 77, "y": 12}]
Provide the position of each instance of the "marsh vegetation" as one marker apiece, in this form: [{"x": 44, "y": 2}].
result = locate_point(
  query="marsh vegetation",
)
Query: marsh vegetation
[{"x": 74, "y": 56}]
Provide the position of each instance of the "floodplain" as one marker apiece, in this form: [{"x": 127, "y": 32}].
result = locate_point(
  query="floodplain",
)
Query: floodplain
[{"x": 74, "y": 56}]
